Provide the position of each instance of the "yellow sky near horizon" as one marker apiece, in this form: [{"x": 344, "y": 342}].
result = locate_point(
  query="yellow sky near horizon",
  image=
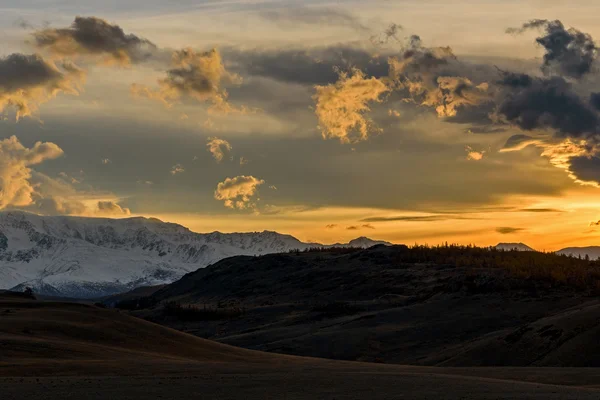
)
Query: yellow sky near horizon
[{"x": 280, "y": 156}]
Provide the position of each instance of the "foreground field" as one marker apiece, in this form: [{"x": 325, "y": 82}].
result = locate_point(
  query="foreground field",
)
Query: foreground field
[
  {"x": 53, "y": 350},
  {"x": 289, "y": 384}
]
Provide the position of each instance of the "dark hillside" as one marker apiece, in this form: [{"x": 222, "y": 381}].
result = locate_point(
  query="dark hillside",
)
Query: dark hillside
[{"x": 388, "y": 304}]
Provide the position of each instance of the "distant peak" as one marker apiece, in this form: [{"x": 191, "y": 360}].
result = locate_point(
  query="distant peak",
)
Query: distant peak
[
  {"x": 367, "y": 242},
  {"x": 513, "y": 246}
]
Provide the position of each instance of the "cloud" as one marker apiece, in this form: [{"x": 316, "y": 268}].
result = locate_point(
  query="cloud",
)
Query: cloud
[
  {"x": 331, "y": 226},
  {"x": 314, "y": 16},
  {"x": 94, "y": 37},
  {"x": 414, "y": 218},
  {"x": 354, "y": 227},
  {"x": 507, "y": 230},
  {"x": 569, "y": 52},
  {"x": 340, "y": 107},
  {"x": 454, "y": 93},
  {"x": 418, "y": 72},
  {"x": 414, "y": 69},
  {"x": 218, "y": 147},
  {"x": 568, "y": 155},
  {"x": 553, "y": 104},
  {"x": 69, "y": 178},
  {"x": 195, "y": 75},
  {"x": 532, "y": 103},
  {"x": 177, "y": 169},
  {"x": 59, "y": 197},
  {"x": 110, "y": 208},
  {"x": 23, "y": 24},
  {"x": 541, "y": 210},
  {"x": 307, "y": 66},
  {"x": 26, "y": 81},
  {"x": 238, "y": 192},
  {"x": 595, "y": 100},
  {"x": 474, "y": 155},
  {"x": 519, "y": 142},
  {"x": 595, "y": 223},
  {"x": 586, "y": 167},
  {"x": 16, "y": 189},
  {"x": 22, "y": 187},
  {"x": 391, "y": 32}
]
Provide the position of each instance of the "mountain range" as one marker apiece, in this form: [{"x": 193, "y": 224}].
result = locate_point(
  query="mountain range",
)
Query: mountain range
[
  {"x": 591, "y": 252},
  {"x": 93, "y": 257}
]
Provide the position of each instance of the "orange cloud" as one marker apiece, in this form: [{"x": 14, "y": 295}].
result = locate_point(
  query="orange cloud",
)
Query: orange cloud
[
  {"x": 474, "y": 155},
  {"x": 197, "y": 75},
  {"x": 218, "y": 147},
  {"x": 16, "y": 160},
  {"x": 237, "y": 193},
  {"x": 341, "y": 107}
]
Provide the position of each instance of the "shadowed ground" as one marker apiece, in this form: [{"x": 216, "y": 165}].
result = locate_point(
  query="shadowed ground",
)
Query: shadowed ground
[{"x": 52, "y": 350}]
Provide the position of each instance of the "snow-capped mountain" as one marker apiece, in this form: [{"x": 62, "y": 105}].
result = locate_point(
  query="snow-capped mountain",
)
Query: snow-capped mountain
[
  {"x": 92, "y": 257},
  {"x": 513, "y": 246},
  {"x": 593, "y": 252}
]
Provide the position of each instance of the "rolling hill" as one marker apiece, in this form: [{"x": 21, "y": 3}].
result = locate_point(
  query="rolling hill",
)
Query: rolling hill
[
  {"x": 455, "y": 306},
  {"x": 58, "y": 350}
]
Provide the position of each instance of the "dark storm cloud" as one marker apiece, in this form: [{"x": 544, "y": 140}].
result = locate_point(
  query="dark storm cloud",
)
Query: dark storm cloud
[
  {"x": 94, "y": 36},
  {"x": 569, "y": 52},
  {"x": 478, "y": 117},
  {"x": 517, "y": 141},
  {"x": 547, "y": 104},
  {"x": 20, "y": 71},
  {"x": 586, "y": 168},
  {"x": 506, "y": 230},
  {"x": 28, "y": 80},
  {"x": 316, "y": 66},
  {"x": 595, "y": 100},
  {"x": 515, "y": 80}
]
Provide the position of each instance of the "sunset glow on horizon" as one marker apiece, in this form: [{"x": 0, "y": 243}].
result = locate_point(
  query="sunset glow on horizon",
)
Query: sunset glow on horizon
[{"x": 410, "y": 122}]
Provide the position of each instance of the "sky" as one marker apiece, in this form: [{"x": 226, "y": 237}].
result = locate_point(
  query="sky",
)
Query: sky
[{"x": 472, "y": 122}]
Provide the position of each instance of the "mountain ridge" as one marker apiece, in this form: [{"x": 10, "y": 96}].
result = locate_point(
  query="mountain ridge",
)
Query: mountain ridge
[
  {"x": 514, "y": 246},
  {"x": 93, "y": 257}
]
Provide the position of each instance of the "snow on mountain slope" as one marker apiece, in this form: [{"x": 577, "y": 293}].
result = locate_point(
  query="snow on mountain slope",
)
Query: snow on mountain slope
[
  {"x": 513, "y": 246},
  {"x": 593, "y": 252},
  {"x": 92, "y": 257}
]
